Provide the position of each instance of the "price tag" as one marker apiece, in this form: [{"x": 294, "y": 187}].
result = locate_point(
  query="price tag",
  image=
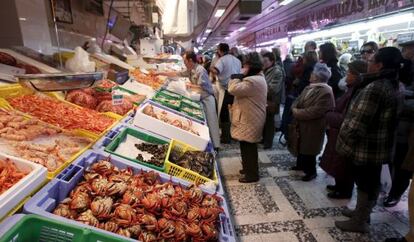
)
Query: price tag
[{"x": 117, "y": 98}]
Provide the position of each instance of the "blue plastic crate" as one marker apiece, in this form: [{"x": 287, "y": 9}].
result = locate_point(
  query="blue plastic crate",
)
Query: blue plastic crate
[
  {"x": 129, "y": 118},
  {"x": 45, "y": 201},
  {"x": 112, "y": 134}
]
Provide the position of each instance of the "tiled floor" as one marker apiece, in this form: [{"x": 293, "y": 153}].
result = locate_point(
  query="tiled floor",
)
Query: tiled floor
[{"x": 282, "y": 208}]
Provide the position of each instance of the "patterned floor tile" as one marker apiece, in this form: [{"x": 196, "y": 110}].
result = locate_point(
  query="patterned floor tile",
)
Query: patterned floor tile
[
  {"x": 378, "y": 232},
  {"x": 250, "y": 199},
  {"x": 280, "y": 207}
]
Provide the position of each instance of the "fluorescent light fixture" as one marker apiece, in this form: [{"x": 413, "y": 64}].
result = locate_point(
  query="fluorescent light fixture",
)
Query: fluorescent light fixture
[
  {"x": 241, "y": 29},
  {"x": 219, "y": 12},
  {"x": 286, "y": 2},
  {"x": 208, "y": 31},
  {"x": 356, "y": 27},
  {"x": 22, "y": 19},
  {"x": 272, "y": 42}
]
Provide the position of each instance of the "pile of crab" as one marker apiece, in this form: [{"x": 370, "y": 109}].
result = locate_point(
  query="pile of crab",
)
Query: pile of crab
[{"x": 140, "y": 206}]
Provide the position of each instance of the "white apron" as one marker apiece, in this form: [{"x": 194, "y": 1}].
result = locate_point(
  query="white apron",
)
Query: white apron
[
  {"x": 209, "y": 105},
  {"x": 220, "y": 97}
]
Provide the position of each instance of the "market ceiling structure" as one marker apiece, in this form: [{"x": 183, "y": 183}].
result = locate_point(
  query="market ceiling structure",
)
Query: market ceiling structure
[{"x": 228, "y": 28}]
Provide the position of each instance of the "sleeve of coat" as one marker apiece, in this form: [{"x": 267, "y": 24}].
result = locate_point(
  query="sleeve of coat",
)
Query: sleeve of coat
[
  {"x": 275, "y": 84},
  {"x": 358, "y": 118},
  {"x": 240, "y": 88},
  {"x": 334, "y": 119},
  {"x": 318, "y": 110}
]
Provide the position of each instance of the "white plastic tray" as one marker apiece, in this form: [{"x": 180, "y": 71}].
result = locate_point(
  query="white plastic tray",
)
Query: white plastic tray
[
  {"x": 23, "y": 188},
  {"x": 167, "y": 130},
  {"x": 138, "y": 88}
]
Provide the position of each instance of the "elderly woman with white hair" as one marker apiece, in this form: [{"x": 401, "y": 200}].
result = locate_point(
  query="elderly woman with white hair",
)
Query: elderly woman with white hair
[{"x": 309, "y": 111}]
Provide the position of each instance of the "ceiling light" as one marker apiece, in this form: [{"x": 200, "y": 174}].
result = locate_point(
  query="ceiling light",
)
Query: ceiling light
[
  {"x": 241, "y": 29},
  {"x": 219, "y": 12},
  {"x": 227, "y": 37},
  {"x": 208, "y": 31},
  {"x": 22, "y": 19},
  {"x": 286, "y": 2}
]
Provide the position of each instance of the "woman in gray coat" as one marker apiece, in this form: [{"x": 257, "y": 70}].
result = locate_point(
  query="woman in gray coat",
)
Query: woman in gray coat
[{"x": 309, "y": 112}]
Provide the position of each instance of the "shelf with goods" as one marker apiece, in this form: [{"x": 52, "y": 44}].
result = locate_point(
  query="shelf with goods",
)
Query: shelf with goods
[
  {"x": 100, "y": 141},
  {"x": 20, "y": 180},
  {"x": 50, "y": 109},
  {"x": 21, "y": 227},
  {"x": 118, "y": 136},
  {"x": 206, "y": 213}
]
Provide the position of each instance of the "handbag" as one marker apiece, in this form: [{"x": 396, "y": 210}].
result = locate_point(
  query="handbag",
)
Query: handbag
[{"x": 293, "y": 138}]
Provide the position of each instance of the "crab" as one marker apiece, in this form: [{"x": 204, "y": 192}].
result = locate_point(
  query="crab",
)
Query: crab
[
  {"x": 88, "y": 218},
  {"x": 101, "y": 207},
  {"x": 125, "y": 215},
  {"x": 167, "y": 228},
  {"x": 149, "y": 222}
]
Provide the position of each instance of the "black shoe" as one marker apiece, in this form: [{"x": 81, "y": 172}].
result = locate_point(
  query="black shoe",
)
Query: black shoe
[
  {"x": 296, "y": 168},
  {"x": 308, "y": 177},
  {"x": 339, "y": 195},
  {"x": 242, "y": 172},
  {"x": 391, "y": 202},
  {"x": 331, "y": 188},
  {"x": 248, "y": 180},
  {"x": 402, "y": 239}
]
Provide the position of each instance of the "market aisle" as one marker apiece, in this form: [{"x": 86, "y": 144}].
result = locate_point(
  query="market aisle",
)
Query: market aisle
[{"x": 282, "y": 208}]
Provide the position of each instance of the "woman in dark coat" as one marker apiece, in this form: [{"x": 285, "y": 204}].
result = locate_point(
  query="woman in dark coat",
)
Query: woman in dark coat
[
  {"x": 332, "y": 163},
  {"x": 327, "y": 55},
  {"x": 309, "y": 111}
]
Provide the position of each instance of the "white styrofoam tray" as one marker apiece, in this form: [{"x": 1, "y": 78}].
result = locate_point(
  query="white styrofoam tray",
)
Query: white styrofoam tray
[
  {"x": 167, "y": 130},
  {"x": 23, "y": 188},
  {"x": 138, "y": 88}
]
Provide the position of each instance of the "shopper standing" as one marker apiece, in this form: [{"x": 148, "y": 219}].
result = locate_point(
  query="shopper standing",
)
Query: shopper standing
[
  {"x": 332, "y": 163},
  {"x": 225, "y": 66},
  {"x": 310, "y": 58},
  {"x": 248, "y": 114},
  {"x": 309, "y": 112},
  {"x": 367, "y": 133},
  {"x": 368, "y": 50},
  {"x": 401, "y": 177},
  {"x": 327, "y": 55},
  {"x": 408, "y": 164},
  {"x": 274, "y": 78}
]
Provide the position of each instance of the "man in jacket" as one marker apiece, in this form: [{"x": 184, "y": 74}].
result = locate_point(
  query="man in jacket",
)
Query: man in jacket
[
  {"x": 225, "y": 66},
  {"x": 367, "y": 133},
  {"x": 274, "y": 79}
]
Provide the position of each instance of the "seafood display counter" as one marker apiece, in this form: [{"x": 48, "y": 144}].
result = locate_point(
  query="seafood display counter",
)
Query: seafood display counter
[{"x": 148, "y": 175}]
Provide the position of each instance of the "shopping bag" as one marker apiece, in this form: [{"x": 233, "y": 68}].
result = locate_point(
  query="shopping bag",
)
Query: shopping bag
[{"x": 293, "y": 139}]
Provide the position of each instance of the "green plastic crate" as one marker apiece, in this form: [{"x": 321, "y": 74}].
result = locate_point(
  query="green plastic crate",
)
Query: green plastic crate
[
  {"x": 111, "y": 147},
  {"x": 157, "y": 96},
  {"x": 194, "y": 115},
  {"x": 192, "y": 103},
  {"x": 129, "y": 92},
  {"x": 27, "y": 228},
  {"x": 171, "y": 94}
]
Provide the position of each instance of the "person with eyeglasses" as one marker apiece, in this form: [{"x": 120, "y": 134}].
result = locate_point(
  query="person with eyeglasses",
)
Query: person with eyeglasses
[
  {"x": 366, "y": 136},
  {"x": 368, "y": 50}
]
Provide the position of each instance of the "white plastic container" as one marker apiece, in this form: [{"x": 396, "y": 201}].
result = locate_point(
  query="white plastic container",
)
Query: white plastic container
[
  {"x": 138, "y": 88},
  {"x": 169, "y": 131},
  {"x": 25, "y": 187}
]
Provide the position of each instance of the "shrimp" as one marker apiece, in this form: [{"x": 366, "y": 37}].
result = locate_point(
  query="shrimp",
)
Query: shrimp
[{"x": 16, "y": 137}]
